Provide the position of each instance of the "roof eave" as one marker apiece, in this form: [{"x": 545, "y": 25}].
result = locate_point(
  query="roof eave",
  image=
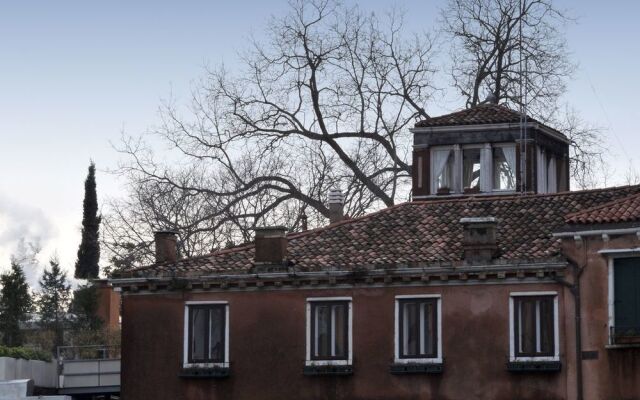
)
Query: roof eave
[{"x": 498, "y": 126}]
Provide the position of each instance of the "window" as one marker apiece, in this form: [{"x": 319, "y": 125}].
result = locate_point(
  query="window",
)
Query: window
[
  {"x": 534, "y": 326},
  {"x": 443, "y": 170},
  {"x": 329, "y": 331},
  {"x": 206, "y": 333},
  {"x": 625, "y": 307},
  {"x": 418, "y": 329},
  {"x": 471, "y": 168},
  {"x": 504, "y": 168}
]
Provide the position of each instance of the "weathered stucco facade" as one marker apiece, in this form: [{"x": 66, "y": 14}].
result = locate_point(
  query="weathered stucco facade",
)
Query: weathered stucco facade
[
  {"x": 267, "y": 347},
  {"x": 495, "y": 263}
]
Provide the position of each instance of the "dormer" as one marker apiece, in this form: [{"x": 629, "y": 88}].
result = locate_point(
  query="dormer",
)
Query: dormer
[{"x": 487, "y": 149}]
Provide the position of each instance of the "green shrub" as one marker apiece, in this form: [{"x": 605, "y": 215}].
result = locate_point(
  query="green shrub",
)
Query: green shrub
[{"x": 24, "y": 353}]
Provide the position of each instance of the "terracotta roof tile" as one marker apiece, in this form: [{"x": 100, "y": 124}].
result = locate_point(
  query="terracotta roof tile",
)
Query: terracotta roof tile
[
  {"x": 478, "y": 115},
  {"x": 622, "y": 210},
  {"x": 421, "y": 232}
]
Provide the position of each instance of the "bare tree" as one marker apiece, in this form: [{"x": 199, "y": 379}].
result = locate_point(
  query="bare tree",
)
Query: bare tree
[
  {"x": 501, "y": 46},
  {"x": 324, "y": 100}
]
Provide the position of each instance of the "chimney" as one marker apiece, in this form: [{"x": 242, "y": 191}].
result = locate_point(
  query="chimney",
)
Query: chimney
[
  {"x": 336, "y": 206},
  {"x": 479, "y": 239},
  {"x": 166, "y": 246},
  {"x": 271, "y": 245}
]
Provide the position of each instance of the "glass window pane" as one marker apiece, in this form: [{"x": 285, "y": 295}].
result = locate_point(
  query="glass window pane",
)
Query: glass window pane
[
  {"x": 199, "y": 326},
  {"x": 504, "y": 175},
  {"x": 429, "y": 338},
  {"x": 443, "y": 165},
  {"x": 322, "y": 332},
  {"x": 411, "y": 329},
  {"x": 546, "y": 326},
  {"x": 216, "y": 338},
  {"x": 471, "y": 168},
  {"x": 340, "y": 330},
  {"x": 527, "y": 326}
]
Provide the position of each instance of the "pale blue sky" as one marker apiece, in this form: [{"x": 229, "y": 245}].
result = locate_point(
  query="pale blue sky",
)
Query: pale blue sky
[{"x": 74, "y": 74}]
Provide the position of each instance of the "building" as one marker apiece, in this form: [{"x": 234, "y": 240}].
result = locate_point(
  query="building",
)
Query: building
[{"x": 495, "y": 282}]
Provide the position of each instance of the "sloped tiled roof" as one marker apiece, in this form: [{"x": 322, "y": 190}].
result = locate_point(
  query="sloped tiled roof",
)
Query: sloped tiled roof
[
  {"x": 622, "y": 210},
  {"x": 478, "y": 115},
  {"x": 416, "y": 233}
]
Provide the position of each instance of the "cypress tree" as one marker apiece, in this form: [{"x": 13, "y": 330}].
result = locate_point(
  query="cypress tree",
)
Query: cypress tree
[
  {"x": 89, "y": 250},
  {"x": 15, "y": 304},
  {"x": 84, "y": 307},
  {"x": 53, "y": 301}
]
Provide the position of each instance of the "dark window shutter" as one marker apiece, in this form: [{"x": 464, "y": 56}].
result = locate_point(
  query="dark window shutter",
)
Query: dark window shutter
[
  {"x": 420, "y": 172},
  {"x": 627, "y": 294}
]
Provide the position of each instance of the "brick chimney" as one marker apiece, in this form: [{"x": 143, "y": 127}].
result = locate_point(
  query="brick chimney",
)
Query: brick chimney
[
  {"x": 479, "y": 239},
  {"x": 336, "y": 206},
  {"x": 166, "y": 246},
  {"x": 271, "y": 245}
]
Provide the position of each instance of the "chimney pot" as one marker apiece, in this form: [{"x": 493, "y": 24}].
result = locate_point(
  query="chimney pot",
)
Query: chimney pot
[
  {"x": 270, "y": 245},
  {"x": 479, "y": 239},
  {"x": 336, "y": 206},
  {"x": 166, "y": 246}
]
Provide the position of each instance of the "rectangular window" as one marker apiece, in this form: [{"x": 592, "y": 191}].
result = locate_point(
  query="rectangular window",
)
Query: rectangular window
[
  {"x": 442, "y": 169},
  {"x": 328, "y": 325},
  {"x": 206, "y": 333},
  {"x": 471, "y": 169},
  {"x": 504, "y": 168},
  {"x": 534, "y": 326},
  {"x": 626, "y": 299},
  {"x": 418, "y": 329}
]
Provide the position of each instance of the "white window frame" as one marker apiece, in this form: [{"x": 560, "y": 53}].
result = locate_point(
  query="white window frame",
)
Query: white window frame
[
  {"x": 556, "y": 328},
  {"x": 185, "y": 355},
  {"x": 396, "y": 333},
  {"x": 349, "y": 361},
  {"x": 515, "y": 172},
  {"x": 611, "y": 296}
]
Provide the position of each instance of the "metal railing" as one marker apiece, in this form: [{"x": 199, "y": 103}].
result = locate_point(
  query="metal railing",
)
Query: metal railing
[{"x": 96, "y": 352}]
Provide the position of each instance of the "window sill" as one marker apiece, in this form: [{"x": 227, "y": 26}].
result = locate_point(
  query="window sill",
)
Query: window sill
[
  {"x": 205, "y": 372},
  {"x": 417, "y": 368},
  {"x": 318, "y": 370},
  {"x": 621, "y": 346},
  {"x": 534, "y": 366}
]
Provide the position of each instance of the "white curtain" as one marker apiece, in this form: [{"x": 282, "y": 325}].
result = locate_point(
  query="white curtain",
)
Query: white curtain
[
  {"x": 486, "y": 158},
  {"x": 440, "y": 158},
  {"x": 552, "y": 178},
  {"x": 542, "y": 171},
  {"x": 510, "y": 156}
]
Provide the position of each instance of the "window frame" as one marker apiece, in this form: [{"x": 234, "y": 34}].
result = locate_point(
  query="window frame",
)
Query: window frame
[
  {"x": 612, "y": 257},
  {"x": 398, "y": 358},
  {"x": 473, "y": 146},
  {"x": 513, "y": 357},
  {"x": 309, "y": 359},
  {"x": 186, "y": 360},
  {"x": 433, "y": 189},
  {"x": 515, "y": 172}
]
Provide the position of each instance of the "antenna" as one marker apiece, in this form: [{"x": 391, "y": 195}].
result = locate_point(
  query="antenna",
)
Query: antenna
[{"x": 523, "y": 106}]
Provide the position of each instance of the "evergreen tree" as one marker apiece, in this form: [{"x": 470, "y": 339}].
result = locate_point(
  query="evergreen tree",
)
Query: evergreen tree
[
  {"x": 15, "y": 304},
  {"x": 89, "y": 250},
  {"x": 84, "y": 307},
  {"x": 53, "y": 301}
]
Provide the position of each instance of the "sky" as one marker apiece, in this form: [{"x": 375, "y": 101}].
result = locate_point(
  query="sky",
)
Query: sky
[{"x": 74, "y": 75}]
